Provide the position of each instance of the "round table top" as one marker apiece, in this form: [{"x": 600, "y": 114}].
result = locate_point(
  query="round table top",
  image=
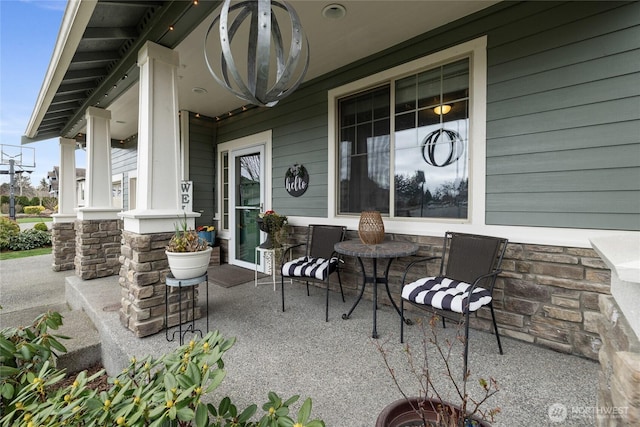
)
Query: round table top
[{"x": 386, "y": 249}]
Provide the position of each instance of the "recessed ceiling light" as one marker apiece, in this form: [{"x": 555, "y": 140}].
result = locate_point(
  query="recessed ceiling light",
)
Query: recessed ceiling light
[
  {"x": 334, "y": 11},
  {"x": 198, "y": 90}
]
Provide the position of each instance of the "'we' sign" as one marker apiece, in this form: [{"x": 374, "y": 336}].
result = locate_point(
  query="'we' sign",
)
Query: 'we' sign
[{"x": 186, "y": 195}]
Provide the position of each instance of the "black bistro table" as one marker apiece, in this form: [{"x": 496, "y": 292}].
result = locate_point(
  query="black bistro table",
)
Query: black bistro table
[{"x": 386, "y": 250}]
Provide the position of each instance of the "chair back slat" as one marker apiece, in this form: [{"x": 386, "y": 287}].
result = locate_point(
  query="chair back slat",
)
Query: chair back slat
[
  {"x": 323, "y": 239},
  {"x": 471, "y": 256}
]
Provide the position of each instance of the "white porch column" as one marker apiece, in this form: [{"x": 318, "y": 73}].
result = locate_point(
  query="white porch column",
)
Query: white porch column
[
  {"x": 158, "y": 185},
  {"x": 98, "y": 203},
  {"x": 67, "y": 202}
]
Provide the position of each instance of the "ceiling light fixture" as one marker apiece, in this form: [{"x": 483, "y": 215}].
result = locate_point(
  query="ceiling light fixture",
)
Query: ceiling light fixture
[
  {"x": 334, "y": 11},
  {"x": 442, "y": 109}
]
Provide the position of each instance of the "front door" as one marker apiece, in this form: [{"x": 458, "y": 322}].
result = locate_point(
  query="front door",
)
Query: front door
[{"x": 247, "y": 173}]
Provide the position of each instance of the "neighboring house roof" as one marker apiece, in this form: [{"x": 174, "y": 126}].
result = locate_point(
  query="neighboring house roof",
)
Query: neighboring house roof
[{"x": 53, "y": 176}]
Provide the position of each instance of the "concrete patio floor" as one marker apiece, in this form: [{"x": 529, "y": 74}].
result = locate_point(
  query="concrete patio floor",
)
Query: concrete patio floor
[{"x": 337, "y": 363}]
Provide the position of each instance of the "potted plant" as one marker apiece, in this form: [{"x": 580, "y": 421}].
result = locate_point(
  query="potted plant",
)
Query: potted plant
[
  {"x": 430, "y": 408},
  {"x": 187, "y": 253},
  {"x": 208, "y": 233},
  {"x": 273, "y": 224}
]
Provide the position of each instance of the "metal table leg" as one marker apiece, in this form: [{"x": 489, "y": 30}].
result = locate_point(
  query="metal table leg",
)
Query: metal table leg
[{"x": 375, "y": 280}]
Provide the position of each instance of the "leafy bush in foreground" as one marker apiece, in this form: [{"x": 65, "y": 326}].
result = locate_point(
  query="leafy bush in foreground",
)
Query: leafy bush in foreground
[
  {"x": 23, "y": 353},
  {"x": 167, "y": 391}
]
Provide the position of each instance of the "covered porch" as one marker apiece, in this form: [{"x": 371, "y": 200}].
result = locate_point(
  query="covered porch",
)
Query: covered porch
[{"x": 337, "y": 363}]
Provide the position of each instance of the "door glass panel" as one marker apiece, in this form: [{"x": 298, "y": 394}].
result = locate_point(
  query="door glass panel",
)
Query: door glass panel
[{"x": 248, "y": 191}]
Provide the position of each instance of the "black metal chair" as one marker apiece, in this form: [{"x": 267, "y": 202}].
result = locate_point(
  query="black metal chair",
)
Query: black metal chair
[
  {"x": 319, "y": 261},
  {"x": 468, "y": 272}
]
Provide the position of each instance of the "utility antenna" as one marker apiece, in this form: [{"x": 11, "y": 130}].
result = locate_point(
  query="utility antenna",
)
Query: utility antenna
[{"x": 19, "y": 159}]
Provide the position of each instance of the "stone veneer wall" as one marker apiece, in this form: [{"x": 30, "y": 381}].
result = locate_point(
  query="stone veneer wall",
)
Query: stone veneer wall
[
  {"x": 143, "y": 269},
  {"x": 619, "y": 377},
  {"x": 97, "y": 245},
  {"x": 63, "y": 243},
  {"x": 547, "y": 295}
]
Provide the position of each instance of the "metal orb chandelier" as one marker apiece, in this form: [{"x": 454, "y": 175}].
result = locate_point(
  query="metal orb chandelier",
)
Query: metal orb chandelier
[{"x": 261, "y": 86}]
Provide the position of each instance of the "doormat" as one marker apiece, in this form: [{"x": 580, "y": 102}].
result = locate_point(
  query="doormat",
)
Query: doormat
[{"x": 227, "y": 275}]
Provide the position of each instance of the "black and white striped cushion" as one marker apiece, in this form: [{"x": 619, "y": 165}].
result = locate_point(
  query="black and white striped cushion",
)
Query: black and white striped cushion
[
  {"x": 315, "y": 268},
  {"x": 445, "y": 294}
]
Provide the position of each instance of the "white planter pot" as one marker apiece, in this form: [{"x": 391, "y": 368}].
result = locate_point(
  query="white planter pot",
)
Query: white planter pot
[{"x": 187, "y": 265}]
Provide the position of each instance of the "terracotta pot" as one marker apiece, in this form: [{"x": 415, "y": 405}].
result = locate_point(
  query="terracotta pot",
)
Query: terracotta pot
[
  {"x": 187, "y": 265},
  {"x": 401, "y": 414}
]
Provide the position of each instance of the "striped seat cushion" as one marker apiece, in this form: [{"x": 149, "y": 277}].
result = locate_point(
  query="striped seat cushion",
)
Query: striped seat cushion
[
  {"x": 445, "y": 294},
  {"x": 314, "y": 268}
]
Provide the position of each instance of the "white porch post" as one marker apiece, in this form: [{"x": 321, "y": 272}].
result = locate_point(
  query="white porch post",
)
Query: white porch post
[
  {"x": 158, "y": 184},
  {"x": 98, "y": 175},
  {"x": 63, "y": 233},
  {"x": 149, "y": 227},
  {"x": 67, "y": 182}
]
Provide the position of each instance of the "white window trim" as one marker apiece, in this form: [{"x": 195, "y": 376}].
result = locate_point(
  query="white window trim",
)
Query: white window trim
[
  {"x": 132, "y": 175},
  {"x": 477, "y": 53},
  {"x": 118, "y": 179}
]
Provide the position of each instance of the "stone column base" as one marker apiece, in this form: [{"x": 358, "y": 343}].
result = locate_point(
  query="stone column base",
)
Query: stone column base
[
  {"x": 144, "y": 268},
  {"x": 619, "y": 388},
  {"x": 97, "y": 248},
  {"x": 63, "y": 242}
]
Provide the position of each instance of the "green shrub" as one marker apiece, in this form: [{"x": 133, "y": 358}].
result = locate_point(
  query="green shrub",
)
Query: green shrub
[
  {"x": 22, "y": 200},
  {"x": 151, "y": 392},
  {"x": 41, "y": 226},
  {"x": 8, "y": 229},
  {"x": 35, "y": 201},
  {"x": 33, "y": 210},
  {"x": 24, "y": 352},
  {"x": 29, "y": 239}
]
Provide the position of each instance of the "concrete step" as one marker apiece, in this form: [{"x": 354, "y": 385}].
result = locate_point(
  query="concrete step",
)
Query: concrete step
[{"x": 83, "y": 347}]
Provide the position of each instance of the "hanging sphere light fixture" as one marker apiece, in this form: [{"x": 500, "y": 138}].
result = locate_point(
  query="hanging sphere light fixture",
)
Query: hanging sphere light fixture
[{"x": 266, "y": 82}]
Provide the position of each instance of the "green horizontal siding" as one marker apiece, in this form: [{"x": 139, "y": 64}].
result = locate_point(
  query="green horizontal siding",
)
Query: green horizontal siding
[
  {"x": 563, "y": 119},
  {"x": 124, "y": 159},
  {"x": 202, "y": 167},
  {"x": 563, "y": 114}
]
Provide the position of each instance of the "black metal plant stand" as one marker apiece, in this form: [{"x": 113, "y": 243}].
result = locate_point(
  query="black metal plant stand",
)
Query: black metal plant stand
[{"x": 183, "y": 283}]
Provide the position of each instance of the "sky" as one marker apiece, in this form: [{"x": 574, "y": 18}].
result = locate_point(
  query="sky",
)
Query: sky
[{"x": 28, "y": 33}]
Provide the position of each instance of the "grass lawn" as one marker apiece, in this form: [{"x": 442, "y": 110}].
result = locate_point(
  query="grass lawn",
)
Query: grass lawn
[
  {"x": 23, "y": 254},
  {"x": 34, "y": 219}
]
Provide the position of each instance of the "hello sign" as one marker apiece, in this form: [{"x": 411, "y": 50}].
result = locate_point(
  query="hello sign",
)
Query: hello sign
[{"x": 296, "y": 180}]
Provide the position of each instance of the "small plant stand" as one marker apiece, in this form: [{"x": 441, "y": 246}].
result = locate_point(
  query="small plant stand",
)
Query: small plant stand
[
  {"x": 270, "y": 266},
  {"x": 183, "y": 283}
]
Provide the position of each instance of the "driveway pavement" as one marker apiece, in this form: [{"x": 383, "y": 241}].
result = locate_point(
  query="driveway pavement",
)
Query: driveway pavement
[{"x": 28, "y": 288}]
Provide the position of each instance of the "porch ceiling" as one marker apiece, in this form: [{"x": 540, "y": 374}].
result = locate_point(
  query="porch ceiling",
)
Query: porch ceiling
[{"x": 99, "y": 67}]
